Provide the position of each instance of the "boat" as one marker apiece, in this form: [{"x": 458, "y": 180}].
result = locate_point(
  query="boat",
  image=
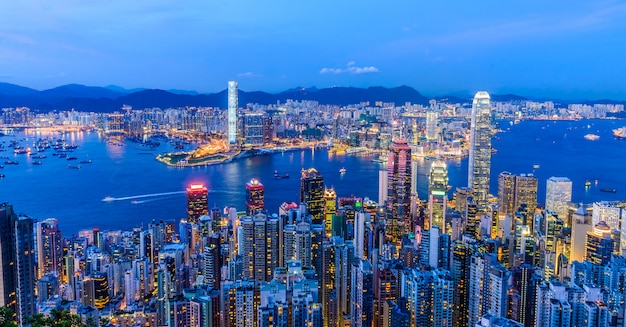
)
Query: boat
[
  {"x": 37, "y": 162},
  {"x": 1, "y": 166},
  {"x": 39, "y": 156},
  {"x": 9, "y": 162},
  {"x": 620, "y": 133},
  {"x": 108, "y": 199},
  {"x": 342, "y": 170},
  {"x": 536, "y": 166},
  {"x": 587, "y": 183},
  {"x": 73, "y": 167},
  {"x": 1, "y": 175},
  {"x": 72, "y": 158},
  {"x": 592, "y": 137},
  {"x": 85, "y": 161},
  {"x": 278, "y": 176},
  {"x": 608, "y": 190}
]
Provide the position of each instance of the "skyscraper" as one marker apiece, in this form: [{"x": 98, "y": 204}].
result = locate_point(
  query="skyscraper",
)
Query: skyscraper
[
  {"x": 438, "y": 194},
  {"x": 312, "y": 194},
  {"x": 49, "y": 247},
  {"x": 515, "y": 190},
  {"x": 233, "y": 103},
  {"x": 17, "y": 259},
  {"x": 431, "y": 125},
  {"x": 398, "y": 189},
  {"x": 558, "y": 194},
  {"x": 255, "y": 197},
  {"x": 330, "y": 208},
  {"x": 197, "y": 202},
  {"x": 480, "y": 149}
]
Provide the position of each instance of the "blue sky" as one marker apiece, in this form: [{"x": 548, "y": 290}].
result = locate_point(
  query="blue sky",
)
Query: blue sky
[{"x": 567, "y": 49}]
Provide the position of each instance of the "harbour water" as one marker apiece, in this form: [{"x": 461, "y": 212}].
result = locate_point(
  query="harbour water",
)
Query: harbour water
[{"x": 139, "y": 189}]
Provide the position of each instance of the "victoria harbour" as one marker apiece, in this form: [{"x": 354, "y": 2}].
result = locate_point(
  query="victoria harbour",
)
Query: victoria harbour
[{"x": 144, "y": 189}]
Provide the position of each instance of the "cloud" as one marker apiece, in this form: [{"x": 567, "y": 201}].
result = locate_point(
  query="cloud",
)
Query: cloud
[
  {"x": 248, "y": 74},
  {"x": 351, "y": 68}
]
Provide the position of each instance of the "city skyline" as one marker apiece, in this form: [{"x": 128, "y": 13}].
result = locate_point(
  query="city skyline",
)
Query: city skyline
[{"x": 531, "y": 48}]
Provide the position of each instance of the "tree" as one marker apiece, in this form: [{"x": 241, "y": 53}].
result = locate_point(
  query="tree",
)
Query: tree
[
  {"x": 6, "y": 318},
  {"x": 57, "y": 318}
]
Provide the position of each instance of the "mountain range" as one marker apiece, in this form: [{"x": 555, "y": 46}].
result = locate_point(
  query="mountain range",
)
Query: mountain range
[{"x": 111, "y": 98}]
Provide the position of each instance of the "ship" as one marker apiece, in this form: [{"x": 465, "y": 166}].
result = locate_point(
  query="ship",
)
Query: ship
[
  {"x": 37, "y": 162},
  {"x": 620, "y": 133},
  {"x": 73, "y": 167},
  {"x": 278, "y": 176},
  {"x": 342, "y": 170},
  {"x": 587, "y": 183},
  {"x": 71, "y": 158},
  {"x": 86, "y": 162},
  {"x": 9, "y": 162},
  {"x": 608, "y": 190},
  {"x": 592, "y": 137},
  {"x": 1, "y": 175},
  {"x": 108, "y": 199}
]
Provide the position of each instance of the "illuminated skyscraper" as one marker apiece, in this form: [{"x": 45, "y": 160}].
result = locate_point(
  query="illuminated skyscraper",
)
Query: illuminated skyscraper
[
  {"x": 480, "y": 149},
  {"x": 599, "y": 245},
  {"x": 17, "y": 259},
  {"x": 233, "y": 104},
  {"x": 558, "y": 194},
  {"x": 399, "y": 189},
  {"x": 330, "y": 208},
  {"x": 438, "y": 194},
  {"x": 515, "y": 190},
  {"x": 255, "y": 197},
  {"x": 197, "y": 202},
  {"x": 312, "y": 194},
  {"x": 431, "y": 125},
  {"x": 49, "y": 247}
]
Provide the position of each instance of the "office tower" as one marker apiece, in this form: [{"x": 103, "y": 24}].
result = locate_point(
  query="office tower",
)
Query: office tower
[
  {"x": 259, "y": 246},
  {"x": 460, "y": 197},
  {"x": 460, "y": 273},
  {"x": 233, "y": 104},
  {"x": 197, "y": 202},
  {"x": 382, "y": 187},
  {"x": 255, "y": 197},
  {"x": 398, "y": 190},
  {"x": 599, "y": 245},
  {"x": 212, "y": 262},
  {"x": 438, "y": 194},
  {"x": 431, "y": 125},
  {"x": 472, "y": 219},
  {"x": 362, "y": 294},
  {"x": 338, "y": 258},
  {"x": 523, "y": 294},
  {"x": 610, "y": 212},
  {"x": 558, "y": 194},
  {"x": 17, "y": 259},
  {"x": 268, "y": 129},
  {"x": 581, "y": 225},
  {"x": 330, "y": 208},
  {"x": 414, "y": 176},
  {"x": 49, "y": 247},
  {"x": 240, "y": 301},
  {"x": 312, "y": 194},
  {"x": 480, "y": 149},
  {"x": 96, "y": 290},
  {"x": 515, "y": 190},
  {"x": 386, "y": 289}
]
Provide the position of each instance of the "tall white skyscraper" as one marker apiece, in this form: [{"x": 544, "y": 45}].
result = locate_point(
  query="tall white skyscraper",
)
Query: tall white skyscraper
[
  {"x": 431, "y": 125},
  {"x": 233, "y": 103},
  {"x": 480, "y": 149},
  {"x": 558, "y": 194}
]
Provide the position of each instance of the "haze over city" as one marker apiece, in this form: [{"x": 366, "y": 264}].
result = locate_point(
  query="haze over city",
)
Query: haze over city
[{"x": 557, "y": 49}]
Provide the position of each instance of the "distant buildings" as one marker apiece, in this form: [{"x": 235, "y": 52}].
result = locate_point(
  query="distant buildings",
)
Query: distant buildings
[
  {"x": 233, "y": 104},
  {"x": 479, "y": 170}
]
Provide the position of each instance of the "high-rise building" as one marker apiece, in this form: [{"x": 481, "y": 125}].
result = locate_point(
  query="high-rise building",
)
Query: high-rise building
[
  {"x": 599, "y": 245},
  {"x": 312, "y": 194},
  {"x": 49, "y": 247},
  {"x": 330, "y": 208},
  {"x": 399, "y": 189},
  {"x": 438, "y": 194},
  {"x": 233, "y": 104},
  {"x": 197, "y": 202},
  {"x": 431, "y": 125},
  {"x": 17, "y": 259},
  {"x": 506, "y": 193},
  {"x": 382, "y": 187},
  {"x": 558, "y": 194},
  {"x": 480, "y": 149},
  {"x": 515, "y": 190},
  {"x": 255, "y": 197},
  {"x": 253, "y": 129},
  {"x": 259, "y": 246}
]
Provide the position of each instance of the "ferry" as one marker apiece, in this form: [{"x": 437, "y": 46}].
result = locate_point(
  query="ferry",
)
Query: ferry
[
  {"x": 342, "y": 170},
  {"x": 620, "y": 133},
  {"x": 592, "y": 137}
]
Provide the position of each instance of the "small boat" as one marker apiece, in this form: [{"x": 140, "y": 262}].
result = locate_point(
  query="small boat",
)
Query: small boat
[
  {"x": 37, "y": 162},
  {"x": 536, "y": 166},
  {"x": 73, "y": 167},
  {"x": 587, "y": 183},
  {"x": 1, "y": 175},
  {"x": 1, "y": 166},
  {"x": 277, "y": 176},
  {"x": 608, "y": 190},
  {"x": 592, "y": 137},
  {"x": 86, "y": 162},
  {"x": 342, "y": 170},
  {"x": 72, "y": 158},
  {"x": 596, "y": 182},
  {"x": 9, "y": 162}
]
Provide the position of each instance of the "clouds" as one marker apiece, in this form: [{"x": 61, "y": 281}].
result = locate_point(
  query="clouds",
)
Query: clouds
[{"x": 351, "y": 68}]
